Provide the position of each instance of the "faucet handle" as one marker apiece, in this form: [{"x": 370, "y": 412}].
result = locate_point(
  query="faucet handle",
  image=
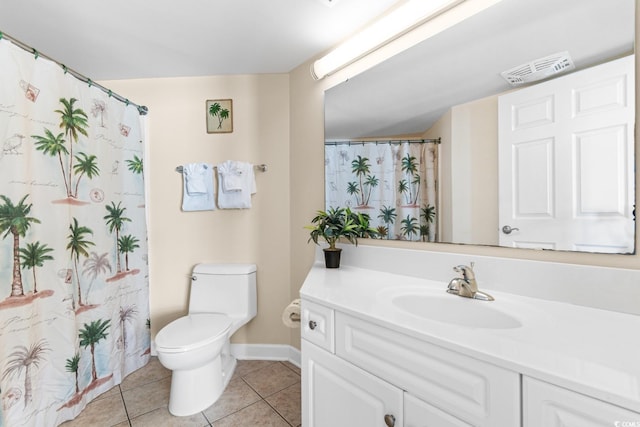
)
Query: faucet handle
[
  {"x": 466, "y": 271},
  {"x": 454, "y": 286}
]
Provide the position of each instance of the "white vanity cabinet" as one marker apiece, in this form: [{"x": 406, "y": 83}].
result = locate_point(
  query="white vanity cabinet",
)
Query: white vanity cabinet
[
  {"x": 552, "y": 364},
  {"x": 548, "y": 405},
  {"x": 381, "y": 377}
]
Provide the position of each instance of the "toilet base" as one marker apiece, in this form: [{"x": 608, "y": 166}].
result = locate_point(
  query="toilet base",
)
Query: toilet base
[
  {"x": 228, "y": 368},
  {"x": 194, "y": 390}
]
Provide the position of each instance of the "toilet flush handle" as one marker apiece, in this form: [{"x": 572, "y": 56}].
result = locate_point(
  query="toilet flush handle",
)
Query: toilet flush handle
[{"x": 194, "y": 278}]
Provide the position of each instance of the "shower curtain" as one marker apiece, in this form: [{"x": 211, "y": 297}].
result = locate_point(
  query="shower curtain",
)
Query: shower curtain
[
  {"x": 74, "y": 314},
  {"x": 394, "y": 182}
]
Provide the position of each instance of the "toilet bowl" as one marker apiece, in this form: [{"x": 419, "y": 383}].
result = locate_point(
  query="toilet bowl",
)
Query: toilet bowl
[
  {"x": 196, "y": 346},
  {"x": 191, "y": 347}
]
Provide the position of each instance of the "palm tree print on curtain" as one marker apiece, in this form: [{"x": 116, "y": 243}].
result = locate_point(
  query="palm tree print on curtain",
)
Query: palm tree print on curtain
[
  {"x": 73, "y": 243},
  {"x": 393, "y": 181}
]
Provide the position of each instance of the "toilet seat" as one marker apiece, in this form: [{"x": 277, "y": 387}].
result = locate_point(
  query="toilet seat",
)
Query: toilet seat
[{"x": 192, "y": 331}]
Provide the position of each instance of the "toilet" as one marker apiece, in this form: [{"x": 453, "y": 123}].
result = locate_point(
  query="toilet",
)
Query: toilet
[{"x": 196, "y": 346}]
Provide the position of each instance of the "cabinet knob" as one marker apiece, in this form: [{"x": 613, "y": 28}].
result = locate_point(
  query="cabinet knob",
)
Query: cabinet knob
[
  {"x": 390, "y": 420},
  {"x": 312, "y": 324}
]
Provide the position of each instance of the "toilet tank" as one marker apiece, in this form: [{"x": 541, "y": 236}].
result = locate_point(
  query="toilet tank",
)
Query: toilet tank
[{"x": 224, "y": 288}]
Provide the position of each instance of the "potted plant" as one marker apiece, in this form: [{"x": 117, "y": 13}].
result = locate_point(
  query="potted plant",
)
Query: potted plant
[{"x": 335, "y": 223}]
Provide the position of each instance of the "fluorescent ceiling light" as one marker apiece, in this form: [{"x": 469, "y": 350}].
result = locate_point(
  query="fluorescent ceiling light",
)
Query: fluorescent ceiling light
[{"x": 381, "y": 32}]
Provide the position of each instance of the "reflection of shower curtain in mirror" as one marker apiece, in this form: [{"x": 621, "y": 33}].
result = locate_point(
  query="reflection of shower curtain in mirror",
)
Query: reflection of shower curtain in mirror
[
  {"x": 394, "y": 182},
  {"x": 74, "y": 312}
]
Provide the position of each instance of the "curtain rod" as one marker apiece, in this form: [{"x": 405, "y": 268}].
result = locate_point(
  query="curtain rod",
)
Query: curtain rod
[
  {"x": 142, "y": 110},
  {"x": 385, "y": 141}
]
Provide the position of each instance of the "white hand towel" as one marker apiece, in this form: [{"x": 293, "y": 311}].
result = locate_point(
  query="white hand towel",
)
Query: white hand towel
[
  {"x": 195, "y": 174},
  {"x": 236, "y": 199},
  {"x": 196, "y": 201},
  {"x": 230, "y": 173}
]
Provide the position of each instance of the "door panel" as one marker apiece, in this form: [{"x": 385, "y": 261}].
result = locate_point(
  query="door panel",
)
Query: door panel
[{"x": 566, "y": 162}]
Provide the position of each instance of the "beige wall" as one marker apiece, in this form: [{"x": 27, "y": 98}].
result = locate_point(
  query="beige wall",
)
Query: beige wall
[
  {"x": 468, "y": 172},
  {"x": 442, "y": 129},
  {"x": 179, "y": 240},
  {"x": 483, "y": 125}
]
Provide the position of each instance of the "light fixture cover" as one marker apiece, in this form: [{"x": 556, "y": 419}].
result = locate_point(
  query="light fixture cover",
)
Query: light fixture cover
[
  {"x": 329, "y": 3},
  {"x": 381, "y": 32}
]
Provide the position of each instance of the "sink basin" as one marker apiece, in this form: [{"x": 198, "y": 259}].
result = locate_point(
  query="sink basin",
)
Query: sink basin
[{"x": 456, "y": 310}]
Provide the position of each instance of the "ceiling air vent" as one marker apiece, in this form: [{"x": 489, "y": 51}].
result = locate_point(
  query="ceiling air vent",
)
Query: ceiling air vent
[{"x": 539, "y": 69}]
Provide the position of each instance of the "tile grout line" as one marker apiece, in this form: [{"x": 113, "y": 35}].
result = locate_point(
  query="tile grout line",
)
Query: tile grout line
[
  {"x": 264, "y": 398},
  {"x": 239, "y": 409},
  {"x": 140, "y": 386},
  {"x": 227, "y": 415},
  {"x": 278, "y": 412},
  {"x": 126, "y": 412}
]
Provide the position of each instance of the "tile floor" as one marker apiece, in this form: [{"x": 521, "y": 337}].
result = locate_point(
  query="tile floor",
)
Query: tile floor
[{"x": 261, "y": 393}]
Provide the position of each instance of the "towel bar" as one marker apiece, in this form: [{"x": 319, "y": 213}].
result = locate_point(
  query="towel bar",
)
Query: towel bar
[{"x": 261, "y": 168}]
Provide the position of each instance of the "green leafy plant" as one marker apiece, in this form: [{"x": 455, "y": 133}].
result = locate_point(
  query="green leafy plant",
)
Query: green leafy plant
[
  {"x": 216, "y": 110},
  {"x": 334, "y": 223}
]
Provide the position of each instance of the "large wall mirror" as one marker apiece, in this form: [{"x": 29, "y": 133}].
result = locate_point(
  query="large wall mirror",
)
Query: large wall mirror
[{"x": 545, "y": 164}]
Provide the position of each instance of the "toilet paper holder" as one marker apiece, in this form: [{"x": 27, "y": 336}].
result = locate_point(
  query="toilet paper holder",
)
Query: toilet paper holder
[{"x": 291, "y": 314}]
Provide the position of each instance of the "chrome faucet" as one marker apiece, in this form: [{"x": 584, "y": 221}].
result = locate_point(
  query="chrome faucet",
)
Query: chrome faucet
[{"x": 466, "y": 286}]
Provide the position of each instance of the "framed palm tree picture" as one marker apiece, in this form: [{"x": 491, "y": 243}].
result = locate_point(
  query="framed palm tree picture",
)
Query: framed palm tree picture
[{"x": 219, "y": 116}]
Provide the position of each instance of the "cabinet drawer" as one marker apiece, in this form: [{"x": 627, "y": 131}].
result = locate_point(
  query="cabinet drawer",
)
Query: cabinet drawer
[
  {"x": 476, "y": 392},
  {"x": 316, "y": 323},
  {"x": 548, "y": 405}
]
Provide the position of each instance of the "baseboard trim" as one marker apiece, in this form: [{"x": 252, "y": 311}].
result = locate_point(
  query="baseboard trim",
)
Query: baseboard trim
[{"x": 267, "y": 352}]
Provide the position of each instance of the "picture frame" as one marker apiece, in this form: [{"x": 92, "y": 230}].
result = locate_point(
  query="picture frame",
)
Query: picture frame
[{"x": 219, "y": 115}]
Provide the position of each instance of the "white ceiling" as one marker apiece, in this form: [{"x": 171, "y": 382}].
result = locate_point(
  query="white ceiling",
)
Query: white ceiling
[
  {"x": 407, "y": 93},
  {"x": 128, "y": 39}
]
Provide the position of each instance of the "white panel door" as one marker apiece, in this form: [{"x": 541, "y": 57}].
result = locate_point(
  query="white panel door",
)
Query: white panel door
[
  {"x": 566, "y": 162},
  {"x": 338, "y": 394}
]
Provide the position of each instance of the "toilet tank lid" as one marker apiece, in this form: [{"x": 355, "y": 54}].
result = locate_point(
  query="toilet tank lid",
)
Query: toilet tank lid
[{"x": 224, "y": 269}]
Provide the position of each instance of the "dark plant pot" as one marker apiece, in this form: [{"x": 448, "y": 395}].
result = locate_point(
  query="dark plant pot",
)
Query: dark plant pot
[{"x": 332, "y": 257}]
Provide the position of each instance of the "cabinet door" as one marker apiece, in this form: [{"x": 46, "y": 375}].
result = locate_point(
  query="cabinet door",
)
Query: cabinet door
[
  {"x": 338, "y": 394},
  {"x": 552, "y": 406},
  {"x": 418, "y": 413}
]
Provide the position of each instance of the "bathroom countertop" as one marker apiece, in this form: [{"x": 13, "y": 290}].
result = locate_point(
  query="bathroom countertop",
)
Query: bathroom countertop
[{"x": 588, "y": 350}]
